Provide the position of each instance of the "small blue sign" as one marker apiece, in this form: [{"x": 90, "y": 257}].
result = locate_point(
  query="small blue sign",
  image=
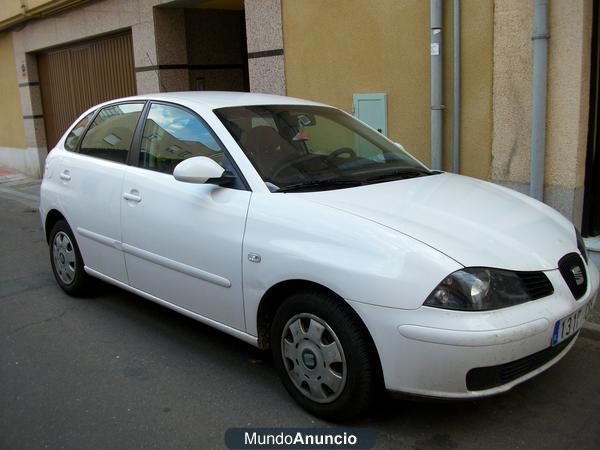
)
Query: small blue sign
[{"x": 555, "y": 333}]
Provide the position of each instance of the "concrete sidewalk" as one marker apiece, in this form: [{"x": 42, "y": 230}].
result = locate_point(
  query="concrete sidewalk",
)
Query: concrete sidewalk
[{"x": 19, "y": 187}]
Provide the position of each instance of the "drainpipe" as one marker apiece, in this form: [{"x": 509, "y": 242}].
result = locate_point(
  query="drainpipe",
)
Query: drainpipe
[
  {"x": 435, "y": 10},
  {"x": 456, "y": 87},
  {"x": 540, "y": 74}
]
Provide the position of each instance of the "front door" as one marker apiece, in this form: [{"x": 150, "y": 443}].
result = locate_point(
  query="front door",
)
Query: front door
[{"x": 183, "y": 241}]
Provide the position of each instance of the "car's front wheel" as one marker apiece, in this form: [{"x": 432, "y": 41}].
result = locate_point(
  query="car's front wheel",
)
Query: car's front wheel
[
  {"x": 66, "y": 261},
  {"x": 324, "y": 355}
]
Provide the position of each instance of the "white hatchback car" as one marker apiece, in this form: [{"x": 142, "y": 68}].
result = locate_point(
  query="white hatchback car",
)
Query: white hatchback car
[{"x": 291, "y": 225}]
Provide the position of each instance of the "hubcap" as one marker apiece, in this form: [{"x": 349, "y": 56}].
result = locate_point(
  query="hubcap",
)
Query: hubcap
[
  {"x": 314, "y": 358},
  {"x": 63, "y": 254}
]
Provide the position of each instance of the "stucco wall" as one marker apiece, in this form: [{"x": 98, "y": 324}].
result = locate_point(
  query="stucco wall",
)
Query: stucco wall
[
  {"x": 9, "y": 9},
  {"x": 12, "y": 133},
  {"x": 477, "y": 24},
  {"x": 567, "y": 102},
  {"x": 568, "y": 91},
  {"x": 512, "y": 90},
  {"x": 336, "y": 48},
  {"x": 266, "y": 71}
]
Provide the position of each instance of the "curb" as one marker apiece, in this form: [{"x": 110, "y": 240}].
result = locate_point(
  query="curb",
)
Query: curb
[{"x": 591, "y": 330}]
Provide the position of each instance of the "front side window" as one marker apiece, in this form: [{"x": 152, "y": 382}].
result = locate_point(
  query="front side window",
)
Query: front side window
[
  {"x": 300, "y": 147},
  {"x": 172, "y": 134},
  {"x": 111, "y": 132},
  {"x": 75, "y": 135}
]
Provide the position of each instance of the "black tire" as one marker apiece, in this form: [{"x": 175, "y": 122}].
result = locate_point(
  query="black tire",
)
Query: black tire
[
  {"x": 362, "y": 368},
  {"x": 79, "y": 284}
]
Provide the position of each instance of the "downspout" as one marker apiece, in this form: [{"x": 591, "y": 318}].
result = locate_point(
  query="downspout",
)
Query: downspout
[
  {"x": 540, "y": 75},
  {"x": 456, "y": 87},
  {"x": 435, "y": 11}
]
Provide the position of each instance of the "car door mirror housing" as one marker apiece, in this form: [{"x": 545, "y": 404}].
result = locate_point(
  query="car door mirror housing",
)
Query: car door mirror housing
[
  {"x": 227, "y": 179},
  {"x": 200, "y": 169}
]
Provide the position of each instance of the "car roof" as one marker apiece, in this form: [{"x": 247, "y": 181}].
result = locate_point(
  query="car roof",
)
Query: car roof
[{"x": 218, "y": 99}]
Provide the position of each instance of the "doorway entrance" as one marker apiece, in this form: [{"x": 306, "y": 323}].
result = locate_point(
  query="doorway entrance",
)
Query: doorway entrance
[
  {"x": 216, "y": 45},
  {"x": 201, "y": 45}
]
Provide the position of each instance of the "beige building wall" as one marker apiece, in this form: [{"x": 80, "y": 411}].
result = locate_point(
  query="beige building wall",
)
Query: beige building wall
[
  {"x": 10, "y": 9},
  {"x": 13, "y": 12},
  {"x": 13, "y": 151},
  {"x": 477, "y": 25},
  {"x": 567, "y": 101},
  {"x": 335, "y": 48},
  {"x": 12, "y": 133}
]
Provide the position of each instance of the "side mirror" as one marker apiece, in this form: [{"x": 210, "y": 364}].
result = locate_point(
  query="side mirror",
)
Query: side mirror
[{"x": 201, "y": 169}]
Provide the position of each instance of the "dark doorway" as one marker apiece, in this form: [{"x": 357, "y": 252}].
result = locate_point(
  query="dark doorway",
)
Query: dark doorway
[
  {"x": 216, "y": 47},
  {"x": 591, "y": 201}
]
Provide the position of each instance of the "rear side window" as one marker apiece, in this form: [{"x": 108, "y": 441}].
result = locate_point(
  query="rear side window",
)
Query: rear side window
[
  {"x": 111, "y": 132},
  {"x": 75, "y": 135}
]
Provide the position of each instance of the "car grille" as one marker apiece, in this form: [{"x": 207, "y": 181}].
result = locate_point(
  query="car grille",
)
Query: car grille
[
  {"x": 536, "y": 284},
  {"x": 483, "y": 378},
  {"x": 572, "y": 270}
]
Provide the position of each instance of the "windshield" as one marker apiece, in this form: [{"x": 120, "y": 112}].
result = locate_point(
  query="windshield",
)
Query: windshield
[{"x": 299, "y": 147}]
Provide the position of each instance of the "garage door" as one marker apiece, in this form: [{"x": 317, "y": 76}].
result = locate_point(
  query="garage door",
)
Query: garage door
[{"x": 76, "y": 77}]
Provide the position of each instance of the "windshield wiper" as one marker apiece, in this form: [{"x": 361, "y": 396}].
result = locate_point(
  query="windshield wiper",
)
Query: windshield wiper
[
  {"x": 308, "y": 185},
  {"x": 399, "y": 175}
]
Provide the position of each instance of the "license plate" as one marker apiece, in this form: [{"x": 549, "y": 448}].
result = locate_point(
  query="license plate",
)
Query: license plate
[{"x": 568, "y": 326}]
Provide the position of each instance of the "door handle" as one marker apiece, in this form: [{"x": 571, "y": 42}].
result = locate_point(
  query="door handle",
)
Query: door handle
[
  {"x": 65, "y": 175},
  {"x": 132, "y": 196}
]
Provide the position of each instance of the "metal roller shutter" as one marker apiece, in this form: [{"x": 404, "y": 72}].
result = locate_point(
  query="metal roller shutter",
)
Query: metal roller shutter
[{"x": 76, "y": 77}]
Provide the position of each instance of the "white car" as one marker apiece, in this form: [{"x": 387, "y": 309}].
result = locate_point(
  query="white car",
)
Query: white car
[{"x": 291, "y": 225}]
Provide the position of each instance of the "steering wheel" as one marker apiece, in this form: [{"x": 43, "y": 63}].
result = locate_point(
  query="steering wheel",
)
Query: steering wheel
[
  {"x": 292, "y": 163},
  {"x": 341, "y": 151}
]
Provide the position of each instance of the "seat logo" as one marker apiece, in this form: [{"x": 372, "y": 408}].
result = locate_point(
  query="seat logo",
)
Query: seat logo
[{"x": 578, "y": 274}]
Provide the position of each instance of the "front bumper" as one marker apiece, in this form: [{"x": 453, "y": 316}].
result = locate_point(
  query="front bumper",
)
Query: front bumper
[{"x": 430, "y": 351}]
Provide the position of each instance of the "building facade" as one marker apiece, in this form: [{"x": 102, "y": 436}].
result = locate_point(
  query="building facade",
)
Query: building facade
[{"x": 60, "y": 57}]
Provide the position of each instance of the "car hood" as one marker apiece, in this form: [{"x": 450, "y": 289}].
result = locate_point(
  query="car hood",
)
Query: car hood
[{"x": 476, "y": 223}]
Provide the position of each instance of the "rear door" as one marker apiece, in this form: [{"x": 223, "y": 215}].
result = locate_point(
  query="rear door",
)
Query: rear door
[
  {"x": 183, "y": 241},
  {"x": 91, "y": 177}
]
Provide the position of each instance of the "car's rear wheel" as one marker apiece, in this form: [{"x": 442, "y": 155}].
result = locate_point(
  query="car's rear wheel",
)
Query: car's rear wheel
[
  {"x": 66, "y": 261},
  {"x": 324, "y": 355}
]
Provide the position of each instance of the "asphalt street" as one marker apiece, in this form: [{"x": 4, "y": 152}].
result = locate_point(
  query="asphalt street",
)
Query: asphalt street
[{"x": 115, "y": 371}]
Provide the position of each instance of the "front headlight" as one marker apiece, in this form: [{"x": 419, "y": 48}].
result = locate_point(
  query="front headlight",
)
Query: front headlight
[{"x": 479, "y": 289}]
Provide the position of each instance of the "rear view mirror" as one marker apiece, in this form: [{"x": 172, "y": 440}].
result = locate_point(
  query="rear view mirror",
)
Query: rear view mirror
[{"x": 201, "y": 169}]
